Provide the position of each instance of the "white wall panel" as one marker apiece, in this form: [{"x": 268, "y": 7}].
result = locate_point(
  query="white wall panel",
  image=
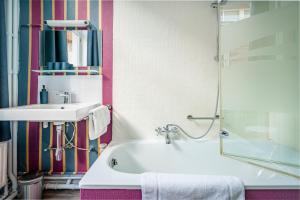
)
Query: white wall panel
[{"x": 164, "y": 66}]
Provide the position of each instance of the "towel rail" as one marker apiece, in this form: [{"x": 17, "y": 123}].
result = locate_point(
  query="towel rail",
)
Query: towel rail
[
  {"x": 191, "y": 117},
  {"x": 90, "y": 114},
  {"x": 108, "y": 106}
]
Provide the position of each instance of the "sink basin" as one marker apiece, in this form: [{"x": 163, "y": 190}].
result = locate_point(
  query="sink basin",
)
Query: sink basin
[{"x": 47, "y": 112}]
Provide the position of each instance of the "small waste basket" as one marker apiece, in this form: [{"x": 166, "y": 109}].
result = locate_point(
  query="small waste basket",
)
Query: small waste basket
[{"x": 31, "y": 186}]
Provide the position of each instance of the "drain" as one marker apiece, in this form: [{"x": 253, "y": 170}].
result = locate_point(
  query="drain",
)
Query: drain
[{"x": 113, "y": 162}]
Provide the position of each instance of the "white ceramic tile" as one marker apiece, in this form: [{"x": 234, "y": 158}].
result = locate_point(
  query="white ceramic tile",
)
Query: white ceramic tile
[
  {"x": 164, "y": 67},
  {"x": 84, "y": 89}
]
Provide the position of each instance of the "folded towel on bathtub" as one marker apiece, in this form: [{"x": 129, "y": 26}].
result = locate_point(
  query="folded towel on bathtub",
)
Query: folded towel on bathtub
[
  {"x": 158, "y": 186},
  {"x": 98, "y": 121}
]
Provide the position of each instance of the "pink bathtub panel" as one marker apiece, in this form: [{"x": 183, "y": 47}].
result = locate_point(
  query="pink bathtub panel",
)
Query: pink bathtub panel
[
  {"x": 272, "y": 194},
  {"x": 115, "y": 194},
  {"x": 111, "y": 194}
]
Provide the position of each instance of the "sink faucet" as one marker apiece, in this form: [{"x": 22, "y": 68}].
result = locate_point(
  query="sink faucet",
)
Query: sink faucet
[
  {"x": 167, "y": 132},
  {"x": 66, "y": 95}
]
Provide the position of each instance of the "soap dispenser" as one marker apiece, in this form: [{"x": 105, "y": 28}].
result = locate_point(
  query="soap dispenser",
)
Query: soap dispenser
[{"x": 43, "y": 96}]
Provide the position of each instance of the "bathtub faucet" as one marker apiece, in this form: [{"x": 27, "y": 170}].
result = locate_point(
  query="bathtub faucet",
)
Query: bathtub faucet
[{"x": 167, "y": 132}]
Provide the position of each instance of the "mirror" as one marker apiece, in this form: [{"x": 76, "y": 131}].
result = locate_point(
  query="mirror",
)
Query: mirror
[{"x": 76, "y": 47}]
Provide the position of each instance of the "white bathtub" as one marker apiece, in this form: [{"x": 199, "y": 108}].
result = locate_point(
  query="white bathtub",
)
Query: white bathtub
[{"x": 185, "y": 157}]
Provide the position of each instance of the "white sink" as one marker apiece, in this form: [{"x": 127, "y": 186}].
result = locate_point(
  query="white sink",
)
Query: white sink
[{"x": 47, "y": 112}]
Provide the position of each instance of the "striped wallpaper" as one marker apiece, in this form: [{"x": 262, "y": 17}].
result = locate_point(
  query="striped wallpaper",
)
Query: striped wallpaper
[{"x": 32, "y": 138}]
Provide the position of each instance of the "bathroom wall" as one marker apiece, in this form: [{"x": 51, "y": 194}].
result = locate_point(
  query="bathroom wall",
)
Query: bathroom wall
[
  {"x": 164, "y": 67},
  {"x": 32, "y": 139}
]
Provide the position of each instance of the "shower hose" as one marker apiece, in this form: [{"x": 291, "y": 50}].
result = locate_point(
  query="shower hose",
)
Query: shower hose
[{"x": 168, "y": 126}]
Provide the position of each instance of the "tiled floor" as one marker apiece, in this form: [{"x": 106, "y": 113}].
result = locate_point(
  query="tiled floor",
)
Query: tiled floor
[{"x": 61, "y": 194}]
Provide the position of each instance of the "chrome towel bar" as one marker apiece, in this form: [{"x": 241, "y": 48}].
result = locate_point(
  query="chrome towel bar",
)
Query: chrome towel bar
[
  {"x": 108, "y": 106},
  {"x": 90, "y": 114},
  {"x": 202, "y": 118}
]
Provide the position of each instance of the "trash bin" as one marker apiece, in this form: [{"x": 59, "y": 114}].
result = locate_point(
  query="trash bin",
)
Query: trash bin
[{"x": 31, "y": 186}]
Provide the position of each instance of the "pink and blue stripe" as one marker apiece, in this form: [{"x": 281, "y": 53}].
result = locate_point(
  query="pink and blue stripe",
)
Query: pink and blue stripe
[{"x": 32, "y": 138}]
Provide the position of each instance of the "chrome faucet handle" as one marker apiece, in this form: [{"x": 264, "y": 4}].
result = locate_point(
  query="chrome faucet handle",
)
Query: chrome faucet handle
[
  {"x": 174, "y": 130},
  {"x": 59, "y": 93},
  {"x": 159, "y": 131},
  {"x": 62, "y": 93},
  {"x": 66, "y": 95},
  {"x": 166, "y": 129}
]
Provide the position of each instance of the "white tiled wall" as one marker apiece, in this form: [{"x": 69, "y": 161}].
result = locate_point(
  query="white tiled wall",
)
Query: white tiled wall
[
  {"x": 82, "y": 88},
  {"x": 164, "y": 66}
]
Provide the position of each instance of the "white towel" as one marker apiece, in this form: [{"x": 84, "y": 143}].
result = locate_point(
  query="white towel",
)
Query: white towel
[
  {"x": 98, "y": 121},
  {"x": 158, "y": 186}
]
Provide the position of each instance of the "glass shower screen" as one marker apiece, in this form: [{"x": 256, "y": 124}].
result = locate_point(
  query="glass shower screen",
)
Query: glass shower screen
[{"x": 259, "y": 58}]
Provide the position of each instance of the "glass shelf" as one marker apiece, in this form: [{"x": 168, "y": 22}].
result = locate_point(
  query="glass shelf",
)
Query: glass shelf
[{"x": 77, "y": 71}]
